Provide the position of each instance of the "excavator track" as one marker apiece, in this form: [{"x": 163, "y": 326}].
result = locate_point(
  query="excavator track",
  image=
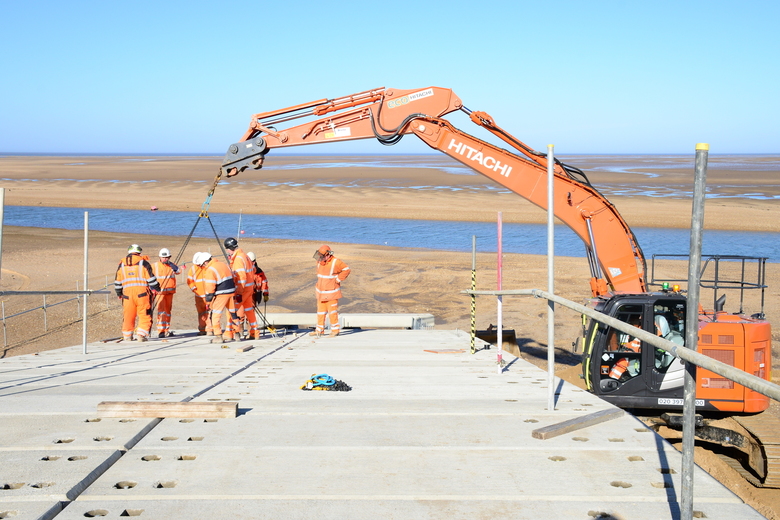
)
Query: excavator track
[{"x": 765, "y": 429}]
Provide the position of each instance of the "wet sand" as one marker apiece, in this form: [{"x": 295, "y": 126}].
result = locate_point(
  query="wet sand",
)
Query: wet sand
[{"x": 414, "y": 187}]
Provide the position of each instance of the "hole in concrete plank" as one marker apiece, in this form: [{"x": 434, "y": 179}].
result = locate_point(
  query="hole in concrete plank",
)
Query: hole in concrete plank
[
  {"x": 96, "y": 512},
  {"x": 186, "y": 420},
  {"x": 187, "y": 457},
  {"x": 165, "y": 484},
  {"x": 616, "y": 440},
  {"x": 132, "y": 512},
  {"x": 667, "y": 471},
  {"x": 96, "y": 419},
  {"x": 77, "y": 457},
  {"x": 148, "y": 458},
  {"x": 126, "y": 420},
  {"x": 661, "y": 485},
  {"x": 232, "y": 399},
  {"x": 51, "y": 457},
  {"x": 210, "y": 420},
  {"x": 585, "y": 404},
  {"x": 557, "y": 458},
  {"x": 169, "y": 438},
  {"x": 41, "y": 485},
  {"x": 195, "y": 439},
  {"x": 8, "y": 514},
  {"x": 510, "y": 400},
  {"x": 104, "y": 438},
  {"x": 125, "y": 484},
  {"x": 64, "y": 440},
  {"x": 12, "y": 485},
  {"x": 620, "y": 484},
  {"x": 580, "y": 439},
  {"x": 601, "y": 515},
  {"x": 531, "y": 420},
  {"x": 213, "y": 399},
  {"x": 641, "y": 430},
  {"x": 635, "y": 458},
  {"x": 511, "y": 382},
  {"x": 172, "y": 393},
  {"x": 699, "y": 514}
]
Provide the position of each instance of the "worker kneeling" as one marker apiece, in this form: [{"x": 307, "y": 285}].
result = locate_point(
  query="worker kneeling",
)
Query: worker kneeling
[
  {"x": 330, "y": 273},
  {"x": 220, "y": 288}
]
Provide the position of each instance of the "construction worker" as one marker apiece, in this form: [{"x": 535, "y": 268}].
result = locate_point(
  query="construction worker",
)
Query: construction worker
[
  {"x": 166, "y": 272},
  {"x": 626, "y": 368},
  {"x": 261, "y": 280},
  {"x": 330, "y": 273},
  {"x": 245, "y": 288},
  {"x": 220, "y": 289},
  {"x": 135, "y": 284},
  {"x": 261, "y": 287},
  {"x": 197, "y": 284}
]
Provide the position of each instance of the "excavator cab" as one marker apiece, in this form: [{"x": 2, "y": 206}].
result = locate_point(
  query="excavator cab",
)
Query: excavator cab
[{"x": 626, "y": 371}]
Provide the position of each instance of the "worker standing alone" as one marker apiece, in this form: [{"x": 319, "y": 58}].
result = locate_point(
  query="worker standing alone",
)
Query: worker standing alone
[
  {"x": 219, "y": 288},
  {"x": 135, "y": 284},
  {"x": 330, "y": 273},
  {"x": 166, "y": 272},
  {"x": 245, "y": 288}
]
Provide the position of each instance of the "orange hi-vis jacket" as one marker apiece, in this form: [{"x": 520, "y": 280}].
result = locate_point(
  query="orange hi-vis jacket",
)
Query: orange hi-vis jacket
[
  {"x": 218, "y": 279},
  {"x": 329, "y": 278},
  {"x": 261, "y": 280},
  {"x": 134, "y": 275},
  {"x": 242, "y": 269},
  {"x": 196, "y": 282},
  {"x": 166, "y": 276}
]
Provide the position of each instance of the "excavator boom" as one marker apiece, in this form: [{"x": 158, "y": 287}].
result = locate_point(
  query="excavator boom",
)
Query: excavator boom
[{"x": 617, "y": 262}]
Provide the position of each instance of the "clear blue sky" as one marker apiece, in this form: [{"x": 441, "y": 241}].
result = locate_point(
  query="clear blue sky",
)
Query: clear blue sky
[{"x": 587, "y": 76}]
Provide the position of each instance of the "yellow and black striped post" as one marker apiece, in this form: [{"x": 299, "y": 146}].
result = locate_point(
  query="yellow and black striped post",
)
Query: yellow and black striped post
[{"x": 473, "y": 296}]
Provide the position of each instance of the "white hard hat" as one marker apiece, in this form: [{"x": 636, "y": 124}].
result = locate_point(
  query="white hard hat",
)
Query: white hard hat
[
  {"x": 201, "y": 258},
  {"x": 164, "y": 253},
  {"x": 251, "y": 256},
  {"x": 135, "y": 248}
]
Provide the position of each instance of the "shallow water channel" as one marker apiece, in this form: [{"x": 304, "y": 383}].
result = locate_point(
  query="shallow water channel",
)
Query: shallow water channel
[{"x": 429, "y": 234}]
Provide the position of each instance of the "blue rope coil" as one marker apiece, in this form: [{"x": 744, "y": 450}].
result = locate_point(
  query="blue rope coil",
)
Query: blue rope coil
[{"x": 324, "y": 380}]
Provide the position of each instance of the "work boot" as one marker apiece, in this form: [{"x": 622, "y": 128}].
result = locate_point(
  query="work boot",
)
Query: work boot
[
  {"x": 317, "y": 333},
  {"x": 333, "y": 333},
  {"x": 216, "y": 339},
  {"x": 201, "y": 333},
  {"x": 140, "y": 338},
  {"x": 162, "y": 335}
]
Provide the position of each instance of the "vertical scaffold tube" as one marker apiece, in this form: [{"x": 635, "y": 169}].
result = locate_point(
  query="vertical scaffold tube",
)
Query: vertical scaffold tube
[{"x": 473, "y": 296}]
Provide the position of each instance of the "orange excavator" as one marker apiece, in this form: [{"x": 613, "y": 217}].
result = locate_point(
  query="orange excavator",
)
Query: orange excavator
[{"x": 639, "y": 377}]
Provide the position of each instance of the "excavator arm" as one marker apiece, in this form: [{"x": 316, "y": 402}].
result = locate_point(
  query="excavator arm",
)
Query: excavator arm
[{"x": 615, "y": 258}]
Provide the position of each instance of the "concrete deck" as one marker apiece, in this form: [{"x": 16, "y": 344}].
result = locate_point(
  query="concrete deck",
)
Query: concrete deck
[{"x": 428, "y": 431}]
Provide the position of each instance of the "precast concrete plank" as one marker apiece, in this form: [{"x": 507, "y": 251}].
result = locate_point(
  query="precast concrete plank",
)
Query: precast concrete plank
[
  {"x": 420, "y": 435},
  {"x": 29, "y": 509},
  {"x": 51, "y": 474},
  {"x": 69, "y": 432},
  {"x": 398, "y": 471},
  {"x": 417, "y": 507}
]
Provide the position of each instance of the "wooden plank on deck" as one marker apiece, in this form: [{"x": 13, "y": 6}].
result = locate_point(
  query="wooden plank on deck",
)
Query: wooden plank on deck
[
  {"x": 553, "y": 430},
  {"x": 216, "y": 410}
]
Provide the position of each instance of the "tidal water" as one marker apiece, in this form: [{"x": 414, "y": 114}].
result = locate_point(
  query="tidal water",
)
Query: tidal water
[{"x": 439, "y": 235}]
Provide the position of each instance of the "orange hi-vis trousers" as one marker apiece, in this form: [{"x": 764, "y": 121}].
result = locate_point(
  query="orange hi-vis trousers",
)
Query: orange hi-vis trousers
[
  {"x": 164, "y": 306},
  {"x": 204, "y": 323},
  {"x": 136, "y": 305},
  {"x": 223, "y": 304},
  {"x": 246, "y": 310},
  {"x": 328, "y": 308}
]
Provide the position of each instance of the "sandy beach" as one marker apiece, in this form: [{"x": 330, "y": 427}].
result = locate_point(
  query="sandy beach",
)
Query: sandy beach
[{"x": 384, "y": 279}]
